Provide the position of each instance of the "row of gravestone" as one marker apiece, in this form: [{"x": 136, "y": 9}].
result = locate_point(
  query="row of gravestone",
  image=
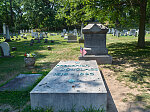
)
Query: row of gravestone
[{"x": 132, "y": 32}]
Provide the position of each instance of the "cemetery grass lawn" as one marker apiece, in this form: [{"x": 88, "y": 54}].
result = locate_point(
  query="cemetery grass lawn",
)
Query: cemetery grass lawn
[{"x": 131, "y": 66}]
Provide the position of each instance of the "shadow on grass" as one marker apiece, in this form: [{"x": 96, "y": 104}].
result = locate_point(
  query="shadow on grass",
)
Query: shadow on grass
[{"x": 129, "y": 53}]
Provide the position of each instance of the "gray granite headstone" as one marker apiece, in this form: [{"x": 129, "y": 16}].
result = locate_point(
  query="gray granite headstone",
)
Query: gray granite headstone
[
  {"x": 71, "y": 84},
  {"x": 95, "y": 44},
  {"x": 21, "y": 82}
]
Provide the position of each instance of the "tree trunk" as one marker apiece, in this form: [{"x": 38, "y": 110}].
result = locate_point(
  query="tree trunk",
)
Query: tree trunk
[{"x": 141, "y": 37}]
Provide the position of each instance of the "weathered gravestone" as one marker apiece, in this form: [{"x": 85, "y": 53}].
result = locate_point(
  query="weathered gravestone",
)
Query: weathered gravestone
[
  {"x": 71, "y": 84},
  {"x": 81, "y": 40},
  {"x": 95, "y": 44},
  {"x": 72, "y": 38},
  {"x": 132, "y": 32},
  {"x": 4, "y": 29},
  {"x": 7, "y": 35},
  {"x": 5, "y": 49}
]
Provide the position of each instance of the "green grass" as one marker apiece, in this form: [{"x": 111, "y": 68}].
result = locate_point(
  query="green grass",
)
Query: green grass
[{"x": 124, "y": 51}]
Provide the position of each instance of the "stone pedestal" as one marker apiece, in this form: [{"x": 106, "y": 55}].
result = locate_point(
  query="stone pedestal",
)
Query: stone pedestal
[
  {"x": 71, "y": 84},
  {"x": 95, "y": 44},
  {"x": 100, "y": 59}
]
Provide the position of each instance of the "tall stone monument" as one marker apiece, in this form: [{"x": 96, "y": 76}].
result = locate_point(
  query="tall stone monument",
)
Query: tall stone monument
[
  {"x": 95, "y": 44},
  {"x": 7, "y": 34},
  {"x": 4, "y": 29},
  {"x": 81, "y": 40}
]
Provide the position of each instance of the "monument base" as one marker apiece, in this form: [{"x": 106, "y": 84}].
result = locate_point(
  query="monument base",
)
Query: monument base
[
  {"x": 72, "y": 41},
  {"x": 101, "y": 59}
]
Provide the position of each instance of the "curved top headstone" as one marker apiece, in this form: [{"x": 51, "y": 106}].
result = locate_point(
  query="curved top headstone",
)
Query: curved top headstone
[
  {"x": 95, "y": 29},
  {"x": 5, "y": 48}
]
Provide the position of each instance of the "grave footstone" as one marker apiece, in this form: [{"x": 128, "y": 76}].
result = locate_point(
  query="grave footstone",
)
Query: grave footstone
[
  {"x": 95, "y": 44},
  {"x": 71, "y": 84},
  {"x": 4, "y": 29},
  {"x": 7, "y": 35},
  {"x": 64, "y": 31},
  {"x": 132, "y": 32},
  {"x": 21, "y": 82}
]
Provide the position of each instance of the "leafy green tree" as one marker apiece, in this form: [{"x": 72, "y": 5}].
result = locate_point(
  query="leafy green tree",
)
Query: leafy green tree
[{"x": 121, "y": 13}]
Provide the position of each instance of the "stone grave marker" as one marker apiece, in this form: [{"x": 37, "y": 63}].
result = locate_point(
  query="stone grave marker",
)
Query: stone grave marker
[
  {"x": 64, "y": 31},
  {"x": 4, "y": 29},
  {"x": 5, "y": 49},
  {"x": 75, "y": 32},
  {"x": 71, "y": 84},
  {"x": 7, "y": 35},
  {"x": 21, "y": 82},
  {"x": 72, "y": 38},
  {"x": 122, "y": 33},
  {"x": 95, "y": 44},
  {"x": 132, "y": 32}
]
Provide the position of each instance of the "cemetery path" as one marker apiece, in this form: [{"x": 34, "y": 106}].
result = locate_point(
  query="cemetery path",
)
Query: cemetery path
[{"x": 122, "y": 95}]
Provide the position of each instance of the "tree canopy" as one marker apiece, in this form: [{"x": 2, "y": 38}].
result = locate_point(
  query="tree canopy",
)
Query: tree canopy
[{"x": 57, "y": 14}]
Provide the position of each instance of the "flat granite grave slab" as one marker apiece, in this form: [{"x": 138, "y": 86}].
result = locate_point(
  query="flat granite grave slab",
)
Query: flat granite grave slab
[
  {"x": 71, "y": 84},
  {"x": 21, "y": 82}
]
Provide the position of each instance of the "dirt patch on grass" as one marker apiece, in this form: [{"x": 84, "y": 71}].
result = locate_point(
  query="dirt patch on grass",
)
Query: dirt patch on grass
[{"x": 122, "y": 95}]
